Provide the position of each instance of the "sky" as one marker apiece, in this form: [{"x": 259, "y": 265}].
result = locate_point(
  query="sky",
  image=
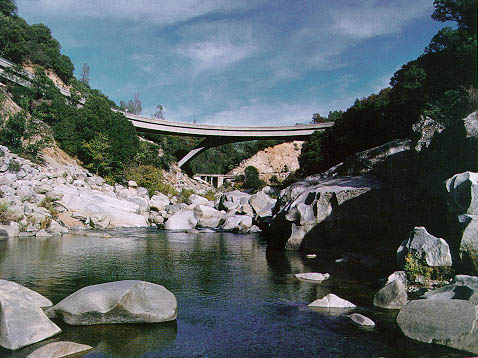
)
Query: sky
[{"x": 238, "y": 62}]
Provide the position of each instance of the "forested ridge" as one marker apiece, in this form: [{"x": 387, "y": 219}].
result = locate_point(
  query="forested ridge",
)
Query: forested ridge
[
  {"x": 105, "y": 141},
  {"x": 440, "y": 84}
]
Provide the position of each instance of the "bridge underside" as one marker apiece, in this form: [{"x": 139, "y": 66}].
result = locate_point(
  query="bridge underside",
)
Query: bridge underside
[
  {"x": 219, "y": 135},
  {"x": 211, "y": 142}
]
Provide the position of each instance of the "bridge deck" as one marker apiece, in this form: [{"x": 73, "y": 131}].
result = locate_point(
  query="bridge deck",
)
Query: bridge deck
[{"x": 204, "y": 130}]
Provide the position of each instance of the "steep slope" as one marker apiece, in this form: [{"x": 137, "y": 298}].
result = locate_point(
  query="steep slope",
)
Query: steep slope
[{"x": 279, "y": 160}]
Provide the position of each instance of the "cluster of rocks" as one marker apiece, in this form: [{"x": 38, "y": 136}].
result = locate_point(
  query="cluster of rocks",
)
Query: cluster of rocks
[
  {"x": 234, "y": 211},
  {"x": 44, "y": 200},
  {"x": 332, "y": 301},
  {"x": 24, "y": 322}
]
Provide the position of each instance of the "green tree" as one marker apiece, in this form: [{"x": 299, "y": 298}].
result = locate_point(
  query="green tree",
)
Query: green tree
[
  {"x": 463, "y": 12},
  {"x": 251, "y": 178},
  {"x": 98, "y": 152},
  {"x": 8, "y": 7}
]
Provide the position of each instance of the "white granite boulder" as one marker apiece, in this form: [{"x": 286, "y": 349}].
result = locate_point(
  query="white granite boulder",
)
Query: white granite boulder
[
  {"x": 16, "y": 290},
  {"x": 421, "y": 244},
  {"x": 312, "y": 276},
  {"x": 184, "y": 220},
  {"x": 22, "y": 322},
  {"x": 128, "y": 301},
  {"x": 332, "y": 301},
  {"x": 237, "y": 223},
  {"x": 208, "y": 217}
]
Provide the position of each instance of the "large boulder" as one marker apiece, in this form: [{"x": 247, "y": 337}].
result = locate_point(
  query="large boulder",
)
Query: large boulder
[
  {"x": 468, "y": 241},
  {"x": 60, "y": 350},
  {"x": 463, "y": 193},
  {"x": 159, "y": 201},
  {"x": 392, "y": 296},
  {"x": 237, "y": 223},
  {"x": 208, "y": 217},
  {"x": 16, "y": 290},
  {"x": 232, "y": 200},
  {"x": 184, "y": 220},
  {"x": 463, "y": 287},
  {"x": 441, "y": 321},
  {"x": 316, "y": 211},
  {"x": 128, "y": 301},
  {"x": 121, "y": 213},
  {"x": 331, "y": 301},
  {"x": 197, "y": 200},
  {"x": 262, "y": 204},
  {"x": 423, "y": 245},
  {"x": 22, "y": 322}
]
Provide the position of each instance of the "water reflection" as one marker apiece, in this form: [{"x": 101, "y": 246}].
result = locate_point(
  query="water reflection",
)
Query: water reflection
[{"x": 235, "y": 298}]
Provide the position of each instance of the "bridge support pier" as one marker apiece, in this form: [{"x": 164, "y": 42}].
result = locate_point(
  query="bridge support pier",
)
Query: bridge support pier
[{"x": 208, "y": 142}]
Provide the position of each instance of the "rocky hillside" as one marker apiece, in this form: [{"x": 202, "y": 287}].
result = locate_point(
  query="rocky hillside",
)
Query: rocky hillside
[{"x": 279, "y": 160}]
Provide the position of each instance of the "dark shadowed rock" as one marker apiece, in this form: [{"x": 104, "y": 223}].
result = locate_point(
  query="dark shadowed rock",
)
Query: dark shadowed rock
[
  {"x": 463, "y": 287},
  {"x": 442, "y": 321},
  {"x": 463, "y": 193},
  {"x": 117, "y": 302},
  {"x": 392, "y": 296}
]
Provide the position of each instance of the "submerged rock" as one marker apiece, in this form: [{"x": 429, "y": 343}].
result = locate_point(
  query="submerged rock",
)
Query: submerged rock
[
  {"x": 312, "y": 276},
  {"x": 361, "y": 320},
  {"x": 332, "y": 301},
  {"x": 60, "y": 350},
  {"x": 128, "y": 301}
]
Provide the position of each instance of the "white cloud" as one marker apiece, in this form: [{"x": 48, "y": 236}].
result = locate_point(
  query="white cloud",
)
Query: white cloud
[
  {"x": 373, "y": 18},
  {"x": 159, "y": 12},
  {"x": 216, "y": 54},
  {"x": 273, "y": 114}
]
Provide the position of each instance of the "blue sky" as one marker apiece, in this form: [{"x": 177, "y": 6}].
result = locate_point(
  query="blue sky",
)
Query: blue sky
[{"x": 238, "y": 62}]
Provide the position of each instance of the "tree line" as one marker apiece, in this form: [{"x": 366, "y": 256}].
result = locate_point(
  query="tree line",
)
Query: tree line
[{"x": 441, "y": 84}]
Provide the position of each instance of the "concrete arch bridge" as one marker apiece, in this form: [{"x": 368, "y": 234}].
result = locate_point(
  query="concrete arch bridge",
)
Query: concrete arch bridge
[{"x": 218, "y": 135}]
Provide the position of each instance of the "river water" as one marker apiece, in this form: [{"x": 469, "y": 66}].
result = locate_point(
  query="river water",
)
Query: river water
[{"x": 235, "y": 298}]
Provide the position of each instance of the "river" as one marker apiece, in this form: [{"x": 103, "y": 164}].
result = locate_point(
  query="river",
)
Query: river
[{"x": 235, "y": 298}]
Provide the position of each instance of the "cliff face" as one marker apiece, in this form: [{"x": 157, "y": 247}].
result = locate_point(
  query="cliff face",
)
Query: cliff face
[{"x": 279, "y": 160}]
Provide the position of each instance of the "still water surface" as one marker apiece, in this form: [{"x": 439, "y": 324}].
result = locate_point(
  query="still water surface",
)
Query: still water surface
[{"x": 235, "y": 298}]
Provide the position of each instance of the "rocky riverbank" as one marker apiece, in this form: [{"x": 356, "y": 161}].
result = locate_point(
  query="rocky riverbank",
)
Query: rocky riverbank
[
  {"x": 46, "y": 200},
  {"x": 413, "y": 202}
]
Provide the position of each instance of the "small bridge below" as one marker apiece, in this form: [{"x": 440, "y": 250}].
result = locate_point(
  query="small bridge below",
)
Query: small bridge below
[{"x": 216, "y": 180}]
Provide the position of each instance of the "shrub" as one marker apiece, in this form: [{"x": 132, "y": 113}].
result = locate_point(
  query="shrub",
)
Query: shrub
[
  {"x": 210, "y": 195},
  {"x": 48, "y": 204},
  {"x": 183, "y": 196},
  {"x": 14, "y": 166},
  {"x": 150, "y": 178},
  {"x": 6, "y": 215}
]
